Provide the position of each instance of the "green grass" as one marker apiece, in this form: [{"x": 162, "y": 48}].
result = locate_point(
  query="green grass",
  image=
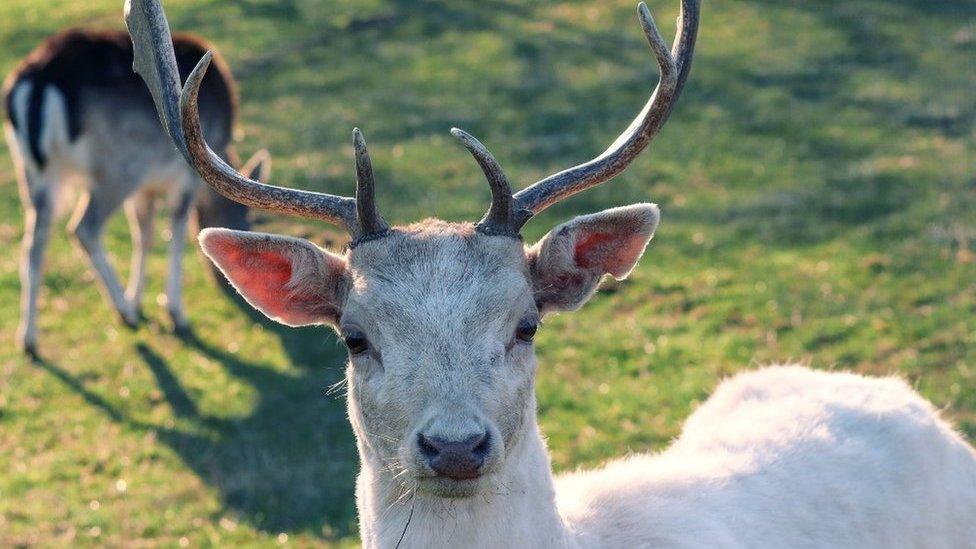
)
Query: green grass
[{"x": 818, "y": 188}]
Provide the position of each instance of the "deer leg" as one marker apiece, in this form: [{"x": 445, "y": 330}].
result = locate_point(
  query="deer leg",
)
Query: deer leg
[
  {"x": 140, "y": 210},
  {"x": 179, "y": 219},
  {"x": 87, "y": 226},
  {"x": 39, "y": 210}
]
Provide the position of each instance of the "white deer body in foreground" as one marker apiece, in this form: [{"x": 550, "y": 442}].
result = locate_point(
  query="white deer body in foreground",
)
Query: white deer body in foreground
[
  {"x": 439, "y": 320},
  {"x": 789, "y": 457},
  {"x": 782, "y": 457}
]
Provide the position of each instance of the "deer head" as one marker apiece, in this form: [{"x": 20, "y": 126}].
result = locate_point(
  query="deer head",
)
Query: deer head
[{"x": 438, "y": 317}]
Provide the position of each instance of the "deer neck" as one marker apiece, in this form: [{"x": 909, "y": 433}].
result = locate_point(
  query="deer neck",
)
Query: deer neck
[{"x": 521, "y": 512}]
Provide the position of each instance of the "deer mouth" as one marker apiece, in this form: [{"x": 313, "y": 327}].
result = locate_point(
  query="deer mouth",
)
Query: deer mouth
[{"x": 440, "y": 486}]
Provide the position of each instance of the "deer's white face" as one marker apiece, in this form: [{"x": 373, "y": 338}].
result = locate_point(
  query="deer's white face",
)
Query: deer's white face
[
  {"x": 440, "y": 377},
  {"x": 439, "y": 321},
  {"x": 439, "y": 324}
]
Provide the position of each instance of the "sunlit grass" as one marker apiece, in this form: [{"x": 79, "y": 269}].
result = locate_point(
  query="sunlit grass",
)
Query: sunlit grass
[{"x": 819, "y": 204}]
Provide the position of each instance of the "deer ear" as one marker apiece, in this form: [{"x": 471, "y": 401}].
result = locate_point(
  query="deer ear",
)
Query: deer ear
[
  {"x": 290, "y": 280},
  {"x": 568, "y": 263}
]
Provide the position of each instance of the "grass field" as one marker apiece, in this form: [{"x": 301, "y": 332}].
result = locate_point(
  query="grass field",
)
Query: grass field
[{"x": 818, "y": 189}]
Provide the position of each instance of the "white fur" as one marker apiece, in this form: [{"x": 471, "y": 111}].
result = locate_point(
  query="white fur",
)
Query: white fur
[
  {"x": 20, "y": 94},
  {"x": 781, "y": 457},
  {"x": 54, "y": 125}
]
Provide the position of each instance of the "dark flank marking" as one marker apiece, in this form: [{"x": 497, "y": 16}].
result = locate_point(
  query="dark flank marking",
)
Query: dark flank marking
[
  {"x": 78, "y": 60},
  {"x": 34, "y": 124}
]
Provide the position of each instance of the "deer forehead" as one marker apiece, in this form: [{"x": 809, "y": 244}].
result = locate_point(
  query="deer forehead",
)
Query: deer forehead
[{"x": 444, "y": 275}]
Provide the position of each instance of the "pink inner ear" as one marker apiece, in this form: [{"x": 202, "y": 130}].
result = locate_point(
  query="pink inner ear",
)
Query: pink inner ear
[
  {"x": 263, "y": 275},
  {"x": 610, "y": 252},
  {"x": 288, "y": 280}
]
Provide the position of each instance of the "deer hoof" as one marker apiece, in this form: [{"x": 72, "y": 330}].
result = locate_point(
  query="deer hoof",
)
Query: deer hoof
[
  {"x": 181, "y": 326},
  {"x": 27, "y": 343},
  {"x": 30, "y": 350},
  {"x": 130, "y": 319},
  {"x": 182, "y": 329}
]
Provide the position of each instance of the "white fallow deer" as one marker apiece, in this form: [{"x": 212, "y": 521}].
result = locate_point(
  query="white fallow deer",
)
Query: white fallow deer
[
  {"x": 76, "y": 114},
  {"x": 439, "y": 320}
]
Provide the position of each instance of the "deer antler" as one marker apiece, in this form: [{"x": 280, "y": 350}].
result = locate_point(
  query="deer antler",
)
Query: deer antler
[
  {"x": 498, "y": 220},
  {"x": 674, "y": 65},
  {"x": 155, "y": 61}
]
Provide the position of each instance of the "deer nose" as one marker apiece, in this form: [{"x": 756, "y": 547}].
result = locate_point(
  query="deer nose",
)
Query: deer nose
[{"x": 455, "y": 459}]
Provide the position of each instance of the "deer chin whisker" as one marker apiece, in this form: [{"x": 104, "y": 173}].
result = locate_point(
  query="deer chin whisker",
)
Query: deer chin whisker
[{"x": 339, "y": 387}]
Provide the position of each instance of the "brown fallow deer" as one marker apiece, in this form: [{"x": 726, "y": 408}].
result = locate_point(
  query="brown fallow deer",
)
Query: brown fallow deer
[
  {"x": 76, "y": 115},
  {"x": 439, "y": 320}
]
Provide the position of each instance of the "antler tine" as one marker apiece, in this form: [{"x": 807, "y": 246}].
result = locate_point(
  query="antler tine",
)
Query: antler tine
[
  {"x": 155, "y": 61},
  {"x": 674, "y": 66},
  {"x": 498, "y": 220},
  {"x": 369, "y": 219}
]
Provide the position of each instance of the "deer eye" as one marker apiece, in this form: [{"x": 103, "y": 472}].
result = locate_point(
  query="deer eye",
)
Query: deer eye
[
  {"x": 526, "y": 331},
  {"x": 356, "y": 342}
]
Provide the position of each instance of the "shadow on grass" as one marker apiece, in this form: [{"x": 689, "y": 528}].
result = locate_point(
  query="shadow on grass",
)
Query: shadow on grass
[
  {"x": 288, "y": 466},
  {"x": 879, "y": 39}
]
